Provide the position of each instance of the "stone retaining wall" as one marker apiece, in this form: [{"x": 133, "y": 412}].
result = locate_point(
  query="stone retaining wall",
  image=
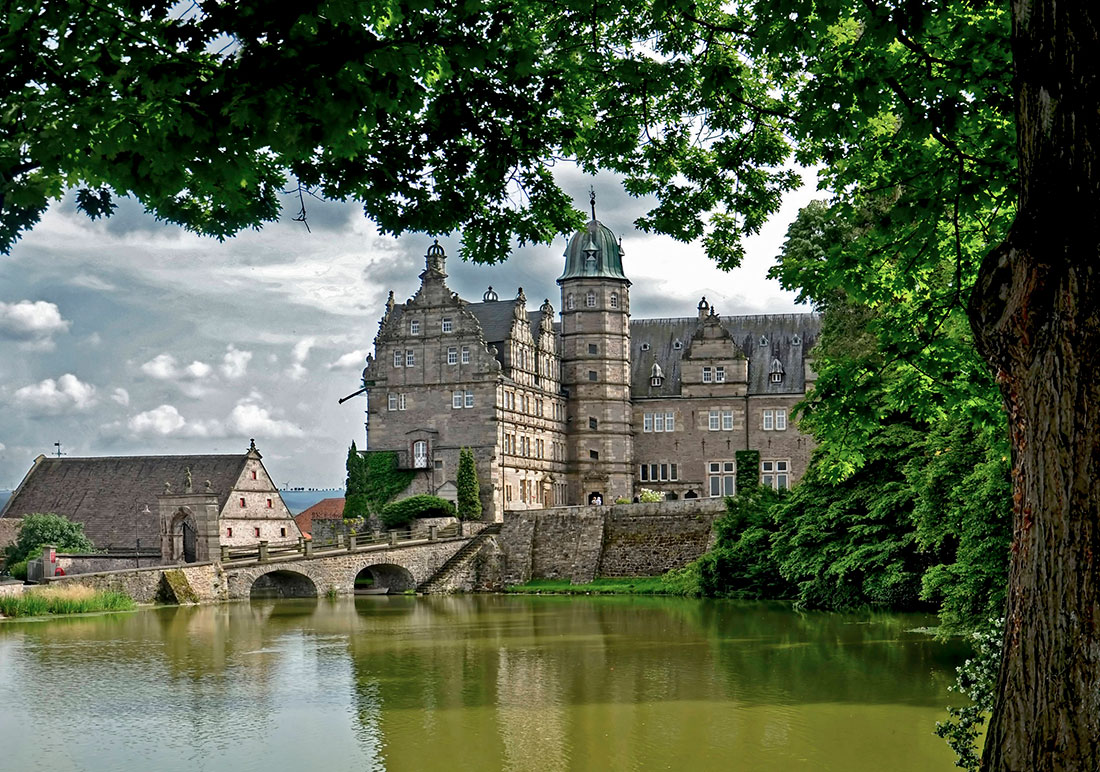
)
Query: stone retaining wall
[
  {"x": 207, "y": 581},
  {"x": 88, "y": 564},
  {"x": 581, "y": 543}
]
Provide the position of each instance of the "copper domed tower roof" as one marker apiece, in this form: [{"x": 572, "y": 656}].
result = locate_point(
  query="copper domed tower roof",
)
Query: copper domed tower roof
[{"x": 593, "y": 252}]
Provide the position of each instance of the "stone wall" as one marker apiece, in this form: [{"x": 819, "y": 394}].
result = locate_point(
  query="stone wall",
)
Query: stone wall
[
  {"x": 9, "y": 589},
  {"x": 581, "y": 543},
  {"x": 207, "y": 580}
]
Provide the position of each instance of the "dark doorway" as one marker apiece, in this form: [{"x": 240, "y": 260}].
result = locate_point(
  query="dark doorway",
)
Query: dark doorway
[
  {"x": 189, "y": 539},
  {"x": 691, "y": 495},
  {"x": 595, "y": 498}
]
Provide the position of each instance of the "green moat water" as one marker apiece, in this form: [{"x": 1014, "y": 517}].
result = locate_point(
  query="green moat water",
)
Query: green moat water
[{"x": 474, "y": 683}]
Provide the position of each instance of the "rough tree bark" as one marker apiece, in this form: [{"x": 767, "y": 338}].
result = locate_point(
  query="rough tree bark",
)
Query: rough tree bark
[{"x": 1036, "y": 315}]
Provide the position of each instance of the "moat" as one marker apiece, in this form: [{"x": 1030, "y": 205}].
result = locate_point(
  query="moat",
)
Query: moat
[{"x": 475, "y": 683}]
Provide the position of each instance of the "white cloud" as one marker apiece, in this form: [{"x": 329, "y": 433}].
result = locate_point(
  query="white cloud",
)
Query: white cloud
[
  {"x": 3, "y": 447},
  {"x": 33, "y": 323},
  {"x": 49, "y": 397},
  {"x": 198, "y": 370},
  {"x": 250, "y": 419},
  {"x": 235, "y": 362},
  {"x": 166, "y": 420},
  {"x": 299, "y": 355},
  {"x": 353, "y": 360},
  {"x": 163, "y": 367},
  {"x": 121, "y": 396},
  {"x": 92, "y": 282}
]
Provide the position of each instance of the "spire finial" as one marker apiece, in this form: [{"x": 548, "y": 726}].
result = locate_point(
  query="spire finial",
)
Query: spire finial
[{"x": 592, "y": 200}]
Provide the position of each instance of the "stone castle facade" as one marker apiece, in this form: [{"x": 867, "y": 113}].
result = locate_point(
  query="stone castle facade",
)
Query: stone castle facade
[{"x": 592, "y": 406}]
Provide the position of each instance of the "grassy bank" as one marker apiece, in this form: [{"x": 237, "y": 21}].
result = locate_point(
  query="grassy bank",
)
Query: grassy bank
[
  {"x": 74, "y": 599},
  {"x": 630, "y": 585}
]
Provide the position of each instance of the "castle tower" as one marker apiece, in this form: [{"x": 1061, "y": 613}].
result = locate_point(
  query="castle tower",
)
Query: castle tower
[{"x": 595, "y": 369}]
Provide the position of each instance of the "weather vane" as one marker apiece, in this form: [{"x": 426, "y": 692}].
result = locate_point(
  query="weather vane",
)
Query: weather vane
[{"x": 592, "y": 200}]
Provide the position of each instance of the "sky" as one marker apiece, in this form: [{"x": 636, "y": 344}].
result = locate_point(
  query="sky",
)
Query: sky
[{"x": 126, "y": 336}]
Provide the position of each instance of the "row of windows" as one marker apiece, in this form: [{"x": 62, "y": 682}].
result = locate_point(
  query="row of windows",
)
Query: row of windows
[
  {"x": 531, "y": 447},
  {"x": 658, "y": 422},
  {"x": 270, "y": 503},
  {"x": 658, "y": 472},
  {"x": 774, "y": 420},
  {"x": 397, "y": 401},
  {"x": 715, "y": 375},
  {"x": 590, "y": 300},
  {"x": 255, "y": 532},
  {"x": 453, "y": 355},
  {"x": 405, "y": 358},
  {"x": 446, "y": 324},
  {"x": 721, "y": 476},
  {"x": 720, "y": 420},
  {"x": 529, "y": 492},
  {"x": 527, "y": 404}
]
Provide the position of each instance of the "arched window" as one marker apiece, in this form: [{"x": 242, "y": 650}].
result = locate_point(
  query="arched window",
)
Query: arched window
[
  {"x": 590, "y": 299},
  {"x": 614, "y": 299}
]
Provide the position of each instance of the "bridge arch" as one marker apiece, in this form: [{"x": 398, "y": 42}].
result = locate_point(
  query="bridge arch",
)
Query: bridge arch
[
  {"x": 283, "y": 583},
  {"x": 389, "y": 576}
]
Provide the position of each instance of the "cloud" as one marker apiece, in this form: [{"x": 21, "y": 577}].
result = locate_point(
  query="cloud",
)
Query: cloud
[
  {"x": 235, "y": 362},
  {"x": 49, "y": 397},
  {"x": 353, "y": 360},
  {"x": 299, "y": 356},
  {"x": 250, "y": 419},
  {"x": 166, "y": 421},
  {"x": 92, "y": 282},
  {"x": 121, "y": 396},
  {"x": 163, "y": 367},
  {"x": 33, "y": 323},
  {"x": 197, "y": 370},
  {"x": 3, "y": 447}
]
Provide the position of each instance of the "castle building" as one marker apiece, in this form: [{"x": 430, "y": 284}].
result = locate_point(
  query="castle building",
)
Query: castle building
[{"x": 594, "y": 406}]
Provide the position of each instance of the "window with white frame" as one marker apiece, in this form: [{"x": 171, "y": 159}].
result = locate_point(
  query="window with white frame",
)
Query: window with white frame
[
  {"x": 452, "y": 355},
  {"x": 775, "y": 473},
  {"x": 714, "y": 421},
  {"x": 469, "y": 398},
  {"x": 777, "y": 377},
  {"x": 727, "y": 420},
  {"x": 670, "y": 422},
  {"x": 662, "y": 472},
  {"x": 398, "y": 358},
  {"x": 659, "y": 422},
  {"x": 420, "y": 454},
  {"x": 414, "y": 327},
  {"x": 391, "y": 400},
  {"x": 456, "y": 400},
  {"x": 614, "y": 299},
  {"x": 720, "y": 374},
  {"x": 647, "y": 422},
  {"x": 590, "y": 299},
  {"x": 774, "y": 420},
  {"x": 708, "y": 375},
  {"x": 465, "y": 355},
  {"x": 410, "y": 359},
  {"x": 768, "y": 422},
  {"x": 569, "y": 301},
  {"x": 401, "y": 402},
  {"x": 447, "y": 325},
  {"x": 780, "y": 420},
  {"x": 721, "y": 478}
]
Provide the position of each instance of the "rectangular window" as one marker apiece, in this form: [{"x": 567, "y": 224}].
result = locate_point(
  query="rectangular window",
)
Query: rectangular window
[
  {"x": 592, "y": 423},
  {"x": 452, "y": 355},
  {"x": 507, "y": 492},
  {"x": 707, "y": 375},
  {"x": 456, "y": 400},
  {"x": 727, "y": 420},
  {"x": 391, "y": 401},
  {"x": 672, "y": 472},
  {"x": 253, "y": 474},
  {"x": 414, "y": 327},
  {"x": 398, "y": 358},
  {"x": 664, "y": 471},
  {"x": 593, "y": 348},
  {"x": 465, "y": 355},
  {"x": 769, "y": 420},
  {"x": 670, "y": 422},
  {"x": 647, "y": 422},
  {"x": 256, "y": 532},
  {"x": 410, "y": 359},
  {"x": 242, "y": 502},
  {"x": 523, "y": 491},
  {"x": 659, "y": 422},
  {"x": 780, "y": 420},
  {"x": 594, "y": 455},
  {"x": 721, "y": 477},
  {"x": 446, "y": 324},
  {"x": 401, "y": 402},
  {"x": 469, "y": 399},
  {"x": 720, "y": 374},
  {"x": 644, "y": 472},
  {"x": 591, "y": 375},
  {"x": 228, "y": 531},
  {"x": 270, "y": 504},
  {"x": 713, "y": 420},
  {"x": 282, "y": 532}
]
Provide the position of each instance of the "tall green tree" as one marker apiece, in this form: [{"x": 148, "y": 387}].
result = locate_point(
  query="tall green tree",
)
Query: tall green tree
[
  {"x": 47, "y": 528},
  {"x": 469, "y": 489},
  {"x": 355, "y": 493},
  {"x": 959, "y": 140}
]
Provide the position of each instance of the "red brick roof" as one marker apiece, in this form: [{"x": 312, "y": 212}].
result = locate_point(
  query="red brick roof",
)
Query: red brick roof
[{"x": 325, "y": 509}]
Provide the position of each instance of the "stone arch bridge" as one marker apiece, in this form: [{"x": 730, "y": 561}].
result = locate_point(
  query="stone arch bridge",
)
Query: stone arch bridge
[{"x": 397, "y": 567}]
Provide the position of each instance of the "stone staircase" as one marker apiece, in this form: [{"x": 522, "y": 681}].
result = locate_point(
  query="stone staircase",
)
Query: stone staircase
[{"x": 457, "y": 561}]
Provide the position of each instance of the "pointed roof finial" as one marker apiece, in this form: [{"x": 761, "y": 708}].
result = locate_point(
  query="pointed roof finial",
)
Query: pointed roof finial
[{"x": 592, "y": 200}]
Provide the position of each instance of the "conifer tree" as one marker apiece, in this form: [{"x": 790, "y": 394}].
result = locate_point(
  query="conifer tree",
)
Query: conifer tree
[
  {"x": 469, "y": 490},
  {"x": 355, "y": 499}
]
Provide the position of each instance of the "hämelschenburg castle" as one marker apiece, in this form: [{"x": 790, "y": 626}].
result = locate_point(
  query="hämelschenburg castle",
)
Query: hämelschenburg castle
[{"x": 596, "y": 404}]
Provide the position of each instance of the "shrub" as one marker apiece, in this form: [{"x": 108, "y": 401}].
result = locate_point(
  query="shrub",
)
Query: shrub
[
  {"x": 382, "y": 479},
  {"x": 648, "y": 496},
  {"x": 39, "y": 529},
  {"x": 19, "y": 570},
  {"x": 400, "y": 513},
  {"x": 469, "y": 490}
]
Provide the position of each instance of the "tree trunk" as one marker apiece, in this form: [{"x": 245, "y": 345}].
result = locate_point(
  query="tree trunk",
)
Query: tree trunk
[{"x": 1036, "y": 316}]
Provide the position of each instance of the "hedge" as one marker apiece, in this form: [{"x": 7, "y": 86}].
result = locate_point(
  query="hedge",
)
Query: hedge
[{"x": 398, "y": 514}]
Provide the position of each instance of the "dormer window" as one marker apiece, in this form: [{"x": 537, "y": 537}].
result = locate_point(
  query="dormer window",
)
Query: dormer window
[
  {"x": 795, "y": 340},
  {"x": 590, "y": 299},
  {"x": 656, "y": 381},
  {"x": 590, "y": 264},
  {"x": 614, "y": 299},
  {"x": 763, "y": 341},
  {"x": 777, "y": 377},
  {"x": 677, "y": 344},
  {"x": 414, "y": 327},
  {"x": 645, "y": 347},
  {"x": 656, "y": 376}
]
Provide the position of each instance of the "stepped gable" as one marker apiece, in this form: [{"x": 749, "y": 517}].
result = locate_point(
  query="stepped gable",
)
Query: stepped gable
[
  {"x": 763, "y": 338},
  {"x": 109, "y": 494}
]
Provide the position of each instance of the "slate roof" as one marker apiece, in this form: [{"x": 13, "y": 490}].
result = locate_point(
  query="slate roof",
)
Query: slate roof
[
  {"x": 495, "y": 318},
  {"x": 108, "y": 494},
  {"x": 325, "y": 509},
  {"x": 763, "y": 338}
]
